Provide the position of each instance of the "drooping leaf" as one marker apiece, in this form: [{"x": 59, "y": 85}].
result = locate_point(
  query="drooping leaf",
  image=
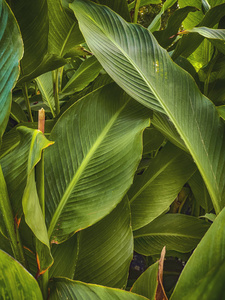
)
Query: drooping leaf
[
  {"x": 175, "y": 231},
  {"x": 11, "y": 52},
  {"x": 155, "y": 81},
  {"x": 15, "y": 281},
  {"x": 91, "y": 165},
  {"x": 215, "y": 36},
  {"x": 189, "y": 43},
  {"x": 203, "y": 275},
  {"x": 85, "y": 74},
  {"x": 106, "y": 249},
  {"x": 149, "y": 284},
  {"x": 32, "y": 17},
  {"x": 170, "y": 169},
  {"x": 62, "y": 288}
]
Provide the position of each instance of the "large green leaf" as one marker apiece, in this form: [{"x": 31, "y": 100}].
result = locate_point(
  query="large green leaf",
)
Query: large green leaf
[
  {"x": 175, "y": 231},
  {"x": 170, "y": 169},
  {"x": 32, "y": 17},
  {"x": 203, "y": 275},
  {"x": 11, "y": 52},
  {"x": 64, "y": 33},
  {"x": 106, "y": 249},
  {"x": 15, "y": 281},
  {"x": 62, "y": 288},
  {"x": 154, "y": 80},
  {"x": 91, "y": 165}
]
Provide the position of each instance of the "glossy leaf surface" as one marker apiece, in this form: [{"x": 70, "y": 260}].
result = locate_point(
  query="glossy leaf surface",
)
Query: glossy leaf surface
[
  {"x": 170, "y": 169},
  {"x": 155, "y": 81},
  {"x": 106, "y": 249},
  {"x": 175, "y": 231},
  {"x": 11, "y": 50},
  {"x": 62, "y": 288},
  {"x": 91, "y": 165}
]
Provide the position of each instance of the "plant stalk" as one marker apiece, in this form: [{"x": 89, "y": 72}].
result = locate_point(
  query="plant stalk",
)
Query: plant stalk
[
  {"x": 11, "y": 227},
  {"x": 41, "y": 194},
  {"x": 26, "y": 98},
  {"x": 136, "y": 10}
]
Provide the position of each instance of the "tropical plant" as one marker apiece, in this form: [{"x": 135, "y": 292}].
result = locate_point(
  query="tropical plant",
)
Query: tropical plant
[{"x": 112, "y": 150}]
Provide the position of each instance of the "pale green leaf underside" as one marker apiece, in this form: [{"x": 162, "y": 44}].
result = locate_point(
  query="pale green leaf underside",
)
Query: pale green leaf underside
[
  {"x": 62, "y": 288},
  {"x": 91, "y": 165},
  {"x": 132, "y": 57},
  {"x": 11, "y": 50}
]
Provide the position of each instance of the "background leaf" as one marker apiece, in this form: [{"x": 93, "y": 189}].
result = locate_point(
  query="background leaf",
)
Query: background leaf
[
  {"x": 11, "y": 52},
  {"x": 175, "y": 231}
]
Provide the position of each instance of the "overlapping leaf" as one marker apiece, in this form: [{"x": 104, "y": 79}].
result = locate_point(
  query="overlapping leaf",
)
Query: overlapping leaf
[
  {"x": 170, "y": 169},
  {"x": 155, "y": 81},
  {"x": 15, "y": 281},
  {"x": 11, "y": 52},
  {"x": 62, "y": 288},
  {"x": 106, "y": 249},
  {"x": 203, "y": 275},
  {"x": 92, "y": 164},
  {"x": 175, "y": 231}
]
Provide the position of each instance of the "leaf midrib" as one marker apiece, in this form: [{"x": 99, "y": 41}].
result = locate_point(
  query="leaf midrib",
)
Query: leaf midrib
[
  {"x": 210, "y": 187},
  {"x": 81, "y": 169}
]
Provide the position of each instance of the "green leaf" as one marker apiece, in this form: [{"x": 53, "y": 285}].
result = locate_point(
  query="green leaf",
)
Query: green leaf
[
  {"x": 64, "y": 33},
  {"x": 32, "y": 17},
  {"x": 146, "y": 284},
  {"x": 152, "y": 140},
  {"x": 16, "y": 282},
  {"x": 11, "y": 52},
  {"x": 156, "y": 23},
  {"x": 221, "y": 111},
  {"x": 203, "y": 275},
  {"x": 200, "y": 191},
  {"x": 104, "y": 154},
  {"x": 85, "y": 74},
  {"x": 119, "y": 6},
  {"x": 106, "y": 249},
  {"x": 189, "y": 43},
  {"x": 166, "y": 37},
  {"x": 193, "y": 18},
  {"x": 170, "y": 169},
  {"x": 155, "y": 81},
  {"x": 143, "y": 3},
  {"x": 50, "y": 62},
  {"x": 62, "y": 288},
  {"x": 215, "y": 36},
  {"x": 17, "y": 113},
  {"x": 45, "y": 85},
  {"x": 175, "y": 231}
]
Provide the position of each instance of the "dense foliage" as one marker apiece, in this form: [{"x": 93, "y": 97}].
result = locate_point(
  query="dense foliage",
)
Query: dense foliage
[{"x": 110, "y": 197}]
